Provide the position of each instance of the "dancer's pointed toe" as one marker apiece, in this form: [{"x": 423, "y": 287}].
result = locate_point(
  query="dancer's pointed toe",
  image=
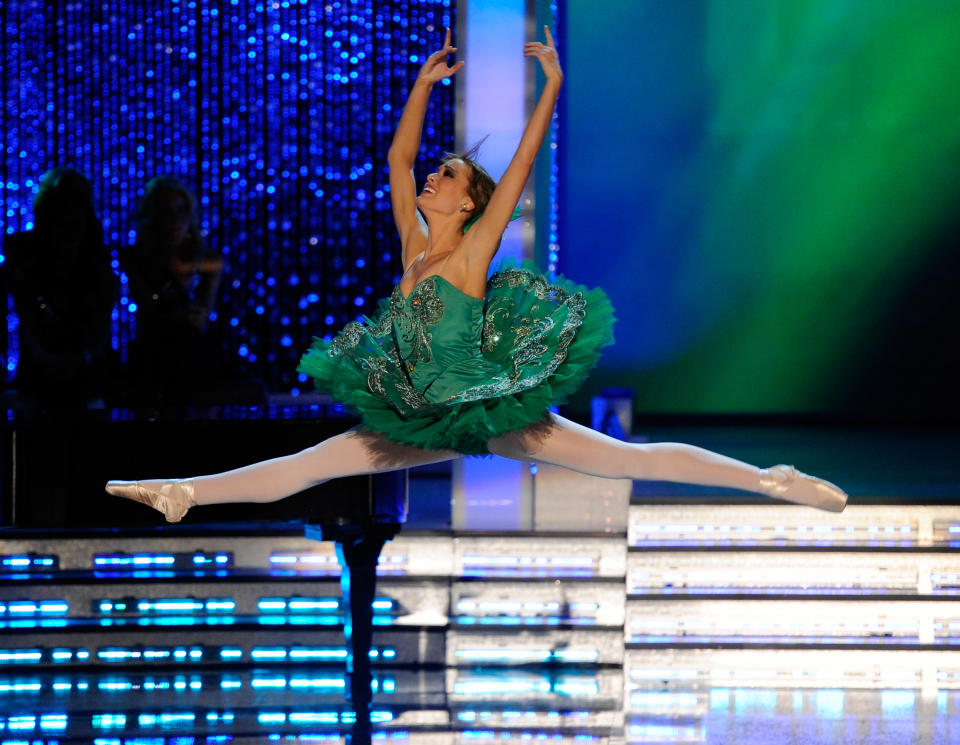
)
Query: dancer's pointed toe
[
  {"x": 126, "y": 489},
  {"x": 787, "y": 483},
  {"x": 173, "y": 497}
]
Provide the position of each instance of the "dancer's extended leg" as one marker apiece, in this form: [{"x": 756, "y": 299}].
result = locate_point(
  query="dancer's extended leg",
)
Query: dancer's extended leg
[
  {"x": 352, "y": 453},
  {"x": 574, "y": 446}
]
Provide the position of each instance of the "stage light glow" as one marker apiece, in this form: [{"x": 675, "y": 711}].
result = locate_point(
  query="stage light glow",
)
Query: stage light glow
[
  {"x": 545, "y": 565},
  {"x": 314, "y": 718},
  {"x": 225, "y": 718},
  {"x": 577, "y": 687},
  {"x": 308, "y": 605},
  {"x": 321, "y": 163},
  {"x": 169, "y": 606},
  {"x": 35, "y": 562},
  {"x": 118, "y": 655},
  {"x": 20, "y": 656},
  {"x": 32, "y": 687},
  {"x": 663, "y": 701},
  {"x": 16, "y": 723},
  {"x": 106, "y": 685},
  {"x": 220, "y": 605},
  {"x": 504, "y": 620},
  {"x": 269, "y": 682},
  {"x": 650, "y": 732},
  {"x": 283, "y": 559},
  {"x": 512, "y": 561},
  {"x": 166, "y": 720},
  {"x": 26, "y": 608},
  {"x": 313, "y": 683},
  {"x": 525, "y": 656},
  {"x": 264, "y": 653},
  {"x": 896, "y": 532},
  {"x": 133, "y": 560},
  {"x": 321, "y": 654},
  {"x": 503, "y": 655},
  {"x": 109, "y": 721},
  {"x": 488, "y": 687},
  {"x": 220, "y": 559}
]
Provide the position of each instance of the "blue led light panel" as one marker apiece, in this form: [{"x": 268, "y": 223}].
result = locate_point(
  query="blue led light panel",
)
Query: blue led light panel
[{"x": 278, "y": 115}]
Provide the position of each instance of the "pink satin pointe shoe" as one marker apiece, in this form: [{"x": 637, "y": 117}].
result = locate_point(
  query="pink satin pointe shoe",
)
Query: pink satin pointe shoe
[
  {"x": 787, "y": 483},
  {"x": 173, "y": 498}
]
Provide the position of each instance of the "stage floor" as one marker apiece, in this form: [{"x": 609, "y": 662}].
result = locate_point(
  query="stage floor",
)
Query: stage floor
[
  {"x": 271, "y": 705},
  {"x": 704, "y": 618}
]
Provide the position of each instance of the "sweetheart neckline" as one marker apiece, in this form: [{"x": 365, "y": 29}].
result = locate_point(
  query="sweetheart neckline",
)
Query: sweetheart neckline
[{"x": 434, "y": 276}]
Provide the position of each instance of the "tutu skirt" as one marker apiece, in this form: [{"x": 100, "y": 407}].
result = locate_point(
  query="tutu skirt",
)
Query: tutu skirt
[{"x": 538, "y": 341}]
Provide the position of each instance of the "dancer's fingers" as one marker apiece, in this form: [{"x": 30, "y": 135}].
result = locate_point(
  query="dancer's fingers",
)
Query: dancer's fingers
[
  {"x": 546, "y": 30},
  {"x": 441, "y": 53}
]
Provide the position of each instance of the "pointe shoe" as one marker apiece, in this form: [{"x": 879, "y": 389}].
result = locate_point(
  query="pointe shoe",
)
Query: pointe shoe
[
  {"x": 787, "y": 483},
  {"x": 173, "y": 498}
]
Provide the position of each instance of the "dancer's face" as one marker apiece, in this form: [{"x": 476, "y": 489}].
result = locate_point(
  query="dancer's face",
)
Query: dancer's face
[{"x": 446, "y": 189}]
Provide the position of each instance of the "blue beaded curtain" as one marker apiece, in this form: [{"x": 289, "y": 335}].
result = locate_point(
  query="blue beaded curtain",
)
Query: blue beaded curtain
[{"x": 277, "y": 114}]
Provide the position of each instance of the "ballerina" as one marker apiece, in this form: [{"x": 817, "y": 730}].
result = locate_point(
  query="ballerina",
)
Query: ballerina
[{"x": 453, "y": 363}]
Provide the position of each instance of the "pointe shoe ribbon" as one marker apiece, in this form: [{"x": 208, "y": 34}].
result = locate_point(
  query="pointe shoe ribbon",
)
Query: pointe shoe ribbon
[
  {"x": 787, "y": 483},
  {"x": 173, "y": 498}
]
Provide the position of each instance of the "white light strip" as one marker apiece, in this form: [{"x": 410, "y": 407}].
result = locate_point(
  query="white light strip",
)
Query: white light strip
[{"x": 493, "y": 100}]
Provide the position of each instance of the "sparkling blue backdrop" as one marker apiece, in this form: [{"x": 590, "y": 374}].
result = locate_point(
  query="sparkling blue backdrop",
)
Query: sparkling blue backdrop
[{"x": 277, "y": 114}]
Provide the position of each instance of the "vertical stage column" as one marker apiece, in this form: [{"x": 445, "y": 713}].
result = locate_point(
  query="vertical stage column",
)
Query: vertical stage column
[{"x": 495, "y": 95}]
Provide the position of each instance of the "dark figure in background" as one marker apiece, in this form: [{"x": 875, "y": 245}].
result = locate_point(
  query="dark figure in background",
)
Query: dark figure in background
[
  {"x": 173, "y": 279},
  {"x": 64, "y": 292}
]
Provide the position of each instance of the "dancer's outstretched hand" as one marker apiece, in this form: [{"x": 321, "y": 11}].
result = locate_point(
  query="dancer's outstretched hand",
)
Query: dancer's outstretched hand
[
  {"x": 436, "y": 68},
  {"x": 547, "y": 54}
]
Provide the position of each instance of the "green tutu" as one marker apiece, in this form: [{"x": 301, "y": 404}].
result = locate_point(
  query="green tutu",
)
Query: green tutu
[{"x": 443, "y": 370}]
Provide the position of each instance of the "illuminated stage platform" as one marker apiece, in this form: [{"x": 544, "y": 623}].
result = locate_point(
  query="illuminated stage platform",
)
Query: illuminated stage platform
[
  {"x": 705, "y": 622},
  {"x": 701, "y": 617}
]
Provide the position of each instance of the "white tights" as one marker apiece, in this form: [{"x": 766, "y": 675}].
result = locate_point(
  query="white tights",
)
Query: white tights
[{"x": 560, "y": 442}]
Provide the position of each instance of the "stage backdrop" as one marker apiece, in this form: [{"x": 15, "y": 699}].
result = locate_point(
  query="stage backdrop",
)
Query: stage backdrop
[
  {"x": 278, "y": 115},
  {"x": 770, "y": 192}
]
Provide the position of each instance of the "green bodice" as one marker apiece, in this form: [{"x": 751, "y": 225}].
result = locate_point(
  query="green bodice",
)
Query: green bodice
[{"x": 437, "y": 330}]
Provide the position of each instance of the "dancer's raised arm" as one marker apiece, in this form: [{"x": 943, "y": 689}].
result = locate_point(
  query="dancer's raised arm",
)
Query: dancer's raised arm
[
  {"x": 484, "y": 237},
  {"x": 403, "y": 152}
]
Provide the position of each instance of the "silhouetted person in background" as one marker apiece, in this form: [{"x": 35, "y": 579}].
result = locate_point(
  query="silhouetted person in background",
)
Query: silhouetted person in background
[
  {"x": 174, "y": 279},
  {"x": 64, "y": 292}
]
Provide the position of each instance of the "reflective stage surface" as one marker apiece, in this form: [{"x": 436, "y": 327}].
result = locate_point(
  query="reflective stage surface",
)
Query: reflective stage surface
[
  {"x": 691, "y": 620},
  {"x": 307, "y": 705}
]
